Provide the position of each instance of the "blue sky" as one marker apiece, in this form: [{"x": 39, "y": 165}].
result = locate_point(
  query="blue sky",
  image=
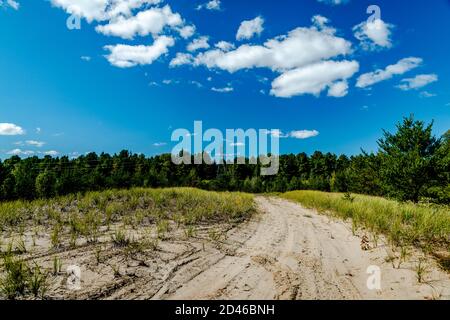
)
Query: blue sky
[{"x": 307, "y": 68}]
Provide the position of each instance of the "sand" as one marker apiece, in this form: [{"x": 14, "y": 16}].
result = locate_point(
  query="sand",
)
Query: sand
[{"x": 284, "y": 252}]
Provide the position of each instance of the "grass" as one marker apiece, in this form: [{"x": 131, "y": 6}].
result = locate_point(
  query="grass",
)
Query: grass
[
  {"x": 20, "y": 279},
  {"x": 77, "y": 217},
  {"x": 85, "y": 214},
  {"x": 404, "y": 224},
  {"x": 94, "y": 219}
]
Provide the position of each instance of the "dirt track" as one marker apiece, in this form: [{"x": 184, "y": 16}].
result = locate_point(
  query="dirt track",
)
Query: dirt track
[
  {"x": 293, "y": 253},
  {"x": 283, "y": 252}
]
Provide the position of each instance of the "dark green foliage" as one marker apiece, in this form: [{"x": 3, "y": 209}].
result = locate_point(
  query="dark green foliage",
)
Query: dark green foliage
[
  {"x": 411, "y": 164},
  {"x": 408, "y": 159}
]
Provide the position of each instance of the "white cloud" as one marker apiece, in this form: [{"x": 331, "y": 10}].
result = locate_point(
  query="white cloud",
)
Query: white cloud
[
  {"x": 199, "y": 43},
  {"x": 88, "y": 9},
  {"x": 38, "y": 130},
  {"x": 277, "y": 133},
  {"x": 35, "y": 143},
  {"x": 211, "y": 5},
  {"x": 321, "y": 23},
  {"x": 20, "y": 152},
  {"x": 296, "y": 134},
  {"x": 225, "y": 46},
  {"x": 223, "y": 90},
  {"x": 373, "y": 35},
  {"x": 52, "y": 153},
  {"x": 181, "y": 59},
  {"x": 300, "y": 56},
  {"x": 417, "y": 82},
  {"x": 86, "y": 58},
  {"x": 314, "y": 78},
  {"x": 196, "y": 83},
  {"x": 125, "y": 56},
  {"x": 159, "y": 144},
  {"x": 334, "y": 2},
  {"x": 10, "y": 129},
  {"x": 151, "y": 21},
  {"x": 426, "y": 94},
  {"x": 125, "y": 7},
  {"x": 11, "y": 3},
  {"x": 101, "y": 10},
  {"x": 302, "y": 46},
  {"x": 303, "y": 134},
  {"x": 187, "y": 31},
  {"x": 250, "y": 28},
  {"x": 401, "y": 67},
  {"x": 338, "y": 89}
]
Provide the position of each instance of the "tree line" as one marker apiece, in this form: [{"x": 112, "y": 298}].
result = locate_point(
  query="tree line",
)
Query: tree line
[{"x": 411, "y": 164}]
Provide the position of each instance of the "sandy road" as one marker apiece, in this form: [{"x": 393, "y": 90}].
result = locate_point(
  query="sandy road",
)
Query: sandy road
[{"x": 288, "y": 252}]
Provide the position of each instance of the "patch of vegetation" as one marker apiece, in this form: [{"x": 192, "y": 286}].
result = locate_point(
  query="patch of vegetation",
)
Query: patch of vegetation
[
  {"x": 20, "y": 279},
  {"x": 410, "y": 164},
  {"x": 405, "y": 224}
]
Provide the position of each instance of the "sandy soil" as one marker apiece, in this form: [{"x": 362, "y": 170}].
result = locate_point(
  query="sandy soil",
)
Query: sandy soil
[
  {"x": 284, "y": 252},
  {"x": 294, "y": 253}
]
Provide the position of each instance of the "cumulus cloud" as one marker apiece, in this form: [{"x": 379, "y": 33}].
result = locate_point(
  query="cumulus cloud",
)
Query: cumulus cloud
[
  {"x": 338, "y": 89},
  {"x": 304, "y": 134},
  {"x": 127, "y": 19},
  {"x": 374, "y": 35},
  {"x": 223, "y": 90},
  {"x": 211, "y": 5},
  {"x": 417, "y": 82},
  {"x": 187, "y": 31},
  {"x": 88, "y": 9},
  {"x": 250, "y": 28},
  {"x": 35, "y": 143},
  {"x": 101, "y": 10},
  {"x": 51, "y": 153},
  {"x": 401, "y": 67},
  {"x": 86, "y": 58},
  {"x": 296, "y": 134},
  {"x": 10, "y": 3},
  {"x": 181, "y": 59},
  {"x": 159, "y": 144},
  {"x": 302, "y": 57},
  {"x": 426, "y": 94},
  {"x": 125, "y": 56},
  {"x": 333, "y": 2},
  {"x": 199, "y": 43},
  {"x": 20, "y": 152},
  {"x": 151, "y": 21},
  {"x": 225, "y": 46},
  {"x": 314, "y": 78},
  {"x": 300, "y": 47},
  {"x": 10, "y": 129}
]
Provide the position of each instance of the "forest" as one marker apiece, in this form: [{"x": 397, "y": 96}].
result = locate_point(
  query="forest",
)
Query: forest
[{"x": 411, "y": 164}]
